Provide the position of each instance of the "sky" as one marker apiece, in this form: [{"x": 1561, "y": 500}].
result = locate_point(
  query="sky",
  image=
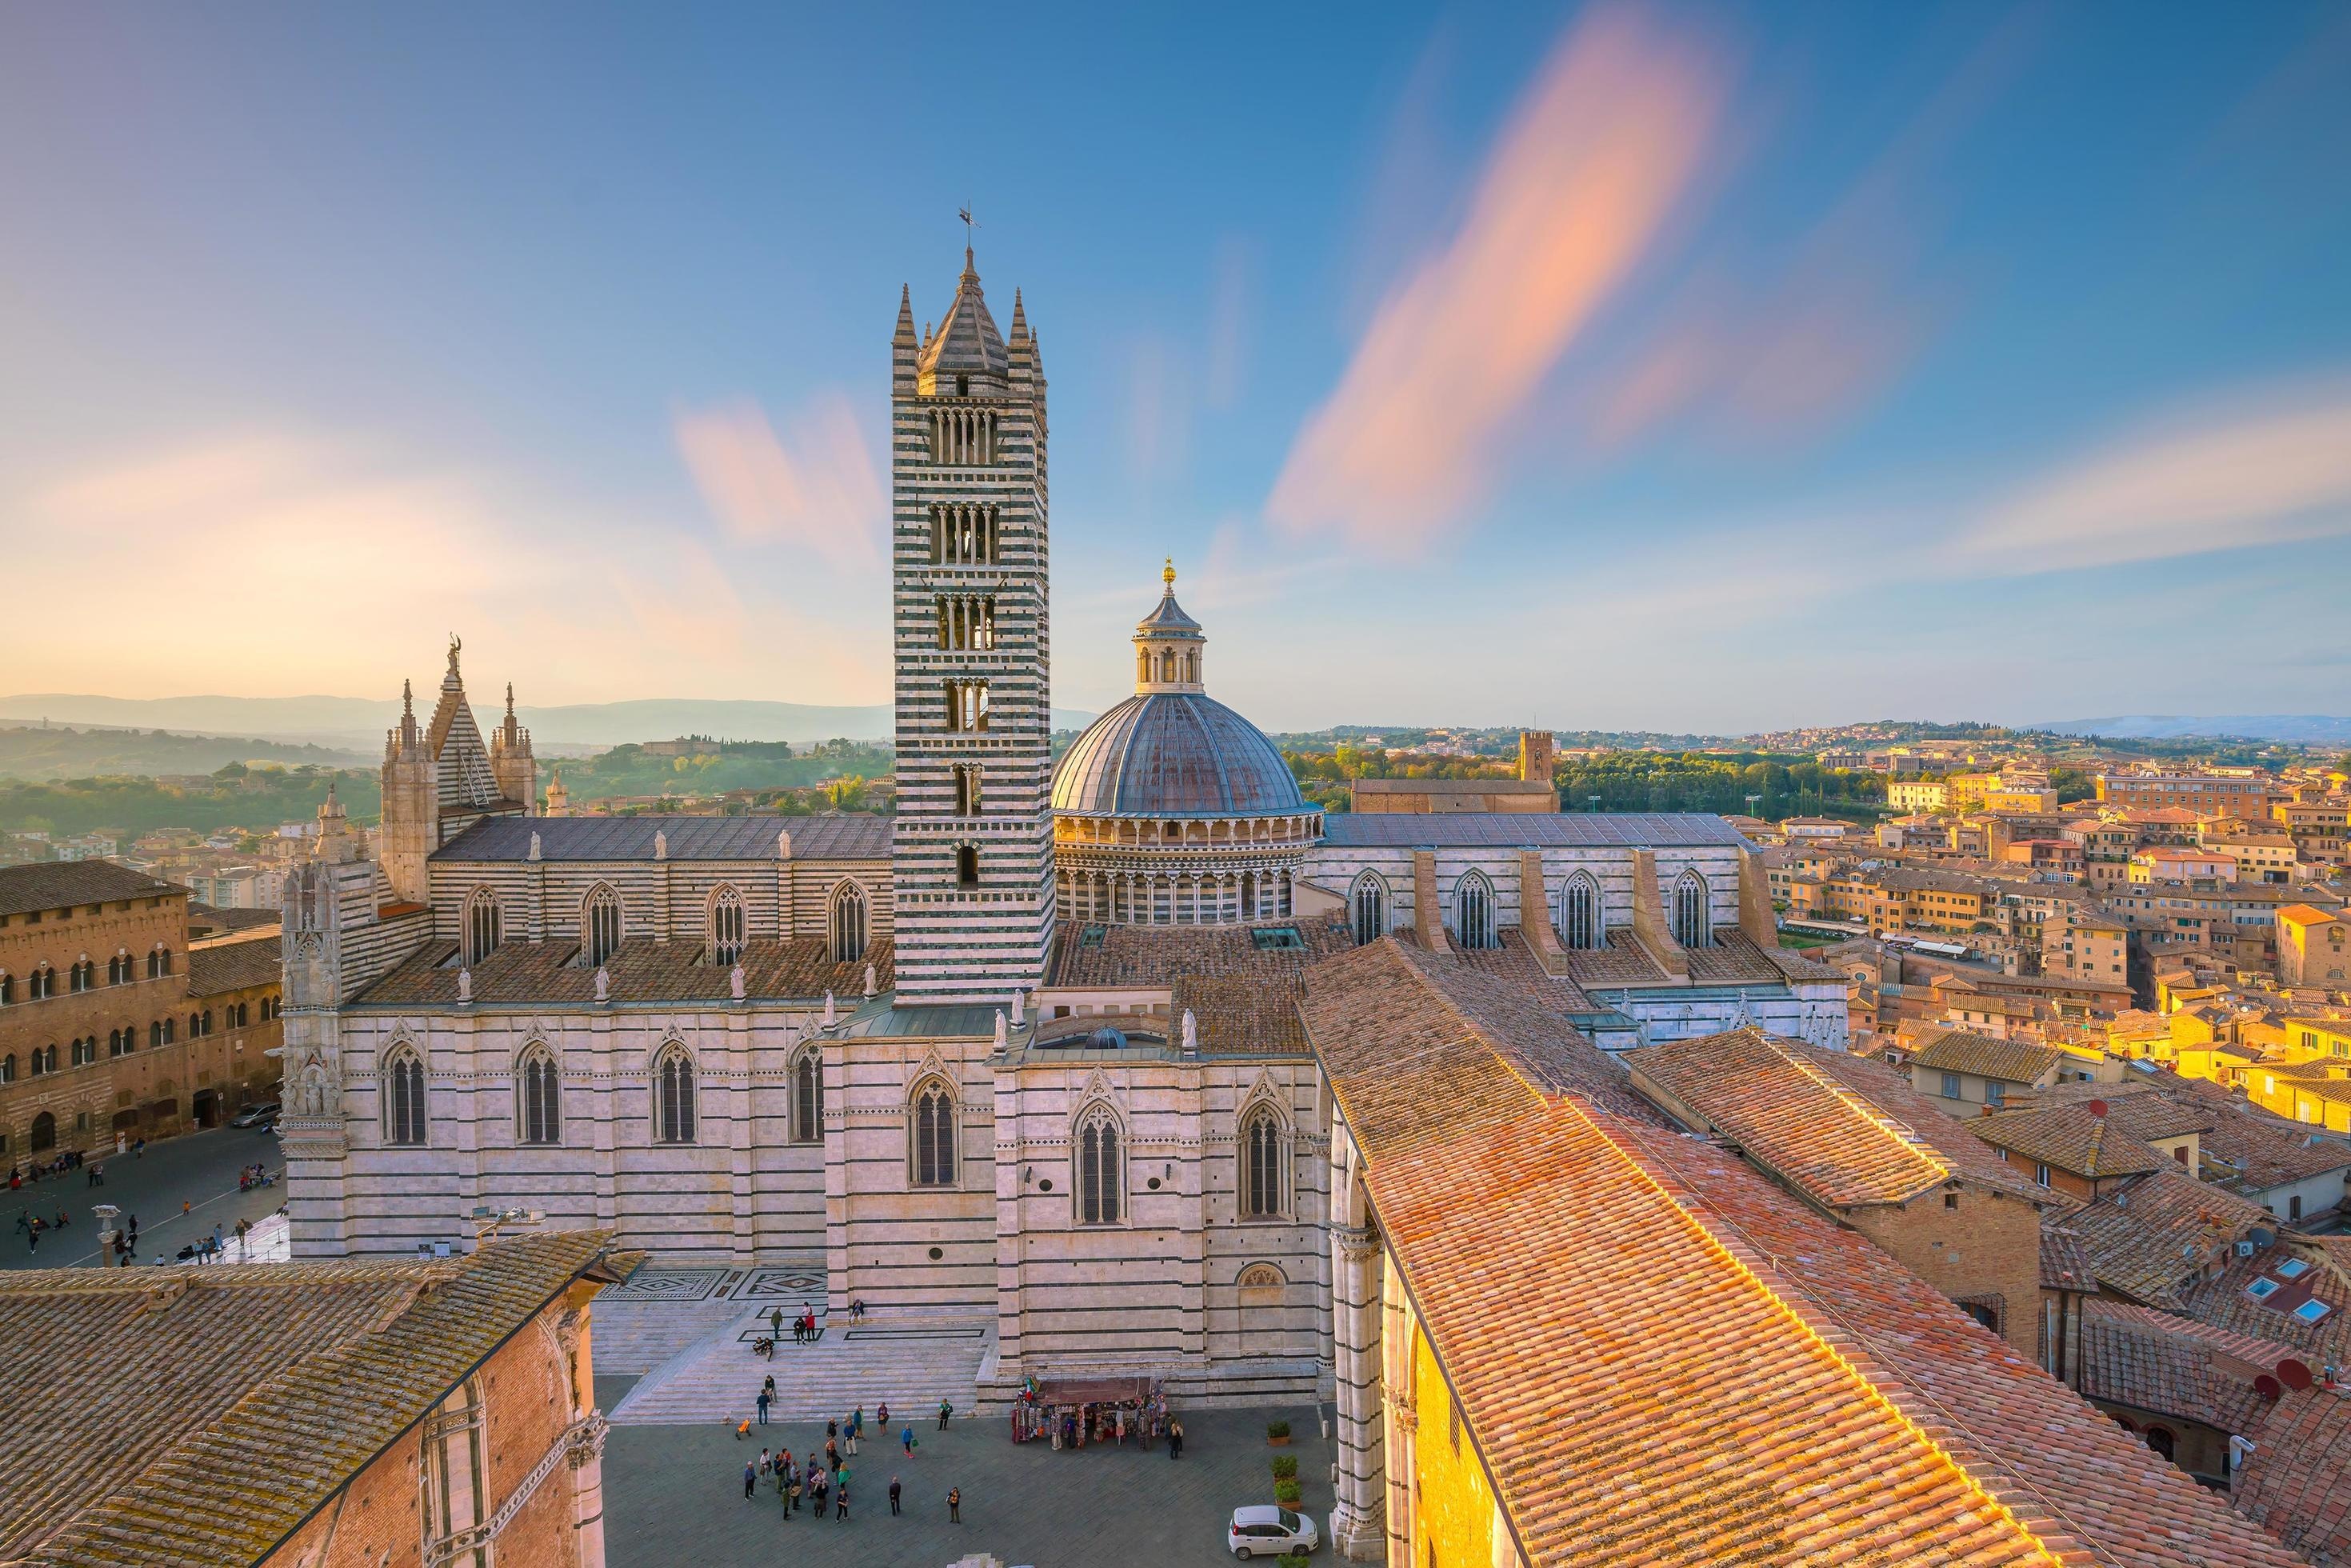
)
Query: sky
[{"x": 1627, "y": 366}]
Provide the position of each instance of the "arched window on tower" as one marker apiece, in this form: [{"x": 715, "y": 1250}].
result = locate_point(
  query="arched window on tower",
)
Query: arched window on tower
[
  {"x": 932, "y": 1158},
  {"x": 1100, "y": 1174},
  {"x": 807, "y": 1097},
  {"x": 403, "y": 1097},
  {"x": 538, "y": 1098},
  {"x": 1693, "y": 924},
  {"x": 726, "y": 926},
  {"x": 1473, "y": 911},
  {"x": 600, "y": 925},
  {"x": 1264, "y": 1164},
  {"x": 1579, "y": 911},
  {"x": 1367, "y": 908},
  {"x": 673, "y": 1095},
  {"x": 482, "y": 925},
  {"x": 967, "y": 865},
  {"x": 848, "y": 923}
]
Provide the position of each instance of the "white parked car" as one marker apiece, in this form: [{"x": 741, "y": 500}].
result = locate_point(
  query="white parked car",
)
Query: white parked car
[{"x": 1269, "y": 1531}]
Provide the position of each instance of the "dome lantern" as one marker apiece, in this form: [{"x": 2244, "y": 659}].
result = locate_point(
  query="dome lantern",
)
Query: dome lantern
[{"x": 1168, "y": 644}]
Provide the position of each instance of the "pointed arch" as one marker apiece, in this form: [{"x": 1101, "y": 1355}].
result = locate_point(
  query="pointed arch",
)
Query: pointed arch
[
  {"x": 728, "y": 925},
  {"x": 1367, "y": 907},
  {"x": 403, "y": 1096},
  {"x": 483, "y": 925},
  {"x": 673, "y": 1094},
  {"x": 931, "y": 1121},
  {"x": 1473, "y": 911},
  {"x": 1098, "y": 1152},
  {"x": 808, "y": 1095},
  {"x": 539, "y": 1096},
  {"x": 600, "y": 925},
  {"x": 1262, "y": 1186},
  {"x": 847, "y": 922},
  {"x": 1582, "y": 918},
  {"x": 1693, "y": 918}
]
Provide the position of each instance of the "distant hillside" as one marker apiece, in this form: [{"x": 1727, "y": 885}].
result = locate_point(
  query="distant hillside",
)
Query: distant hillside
[
  {"x": 62, "y": 753},
  {"x": 2291, "y": 728},
  {"x": 362, "y": 721}
]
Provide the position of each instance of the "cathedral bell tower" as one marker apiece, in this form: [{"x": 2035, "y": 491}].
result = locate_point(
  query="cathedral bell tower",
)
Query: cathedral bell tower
[{"x": 972, "y": 853}]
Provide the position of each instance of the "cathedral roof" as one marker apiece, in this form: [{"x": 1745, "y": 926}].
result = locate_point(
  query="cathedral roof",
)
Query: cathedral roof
[
  {"x": 848, "y": 838},
  {"x": 1173, "y": 753},
  {"x": 1510, "y": 829},
  {"x": 968, "y": 340},
  {"x": 641, "y": 971}
]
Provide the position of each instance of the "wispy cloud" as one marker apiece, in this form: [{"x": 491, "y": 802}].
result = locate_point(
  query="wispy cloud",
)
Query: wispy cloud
[
  {"x": 1599, "y": 152},
  {"x": 2266, "y": 469},
  {"x": 819, "y": 488},
  {"x": 1158, "y": 409},
  {"x": 1232, "y": 300}
]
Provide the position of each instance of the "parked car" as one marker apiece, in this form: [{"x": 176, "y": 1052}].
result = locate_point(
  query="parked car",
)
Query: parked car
[
  {"x": 261, "y": 1116},
  {"x": 1266, "y": 1530}
]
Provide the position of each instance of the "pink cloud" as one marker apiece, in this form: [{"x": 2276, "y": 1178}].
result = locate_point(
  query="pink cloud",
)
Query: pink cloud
[
  {"x": 1600, "y": 150},
  {"x": 819, "y": 490}
]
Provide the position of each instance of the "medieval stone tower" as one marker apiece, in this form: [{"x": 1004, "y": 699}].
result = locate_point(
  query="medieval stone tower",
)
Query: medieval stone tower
[{"x": 972, "y": 848}]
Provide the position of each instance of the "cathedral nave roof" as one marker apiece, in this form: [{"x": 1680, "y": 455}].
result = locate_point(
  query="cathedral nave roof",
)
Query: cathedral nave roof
[
  {"x": 855, "y": 836},
  {"x": 528, "y": 974},
  {"x": 1532, "y": 830}
]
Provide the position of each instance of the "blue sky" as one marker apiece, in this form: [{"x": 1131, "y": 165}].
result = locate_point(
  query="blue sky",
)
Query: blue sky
[{"x": 1631, "y": 366}]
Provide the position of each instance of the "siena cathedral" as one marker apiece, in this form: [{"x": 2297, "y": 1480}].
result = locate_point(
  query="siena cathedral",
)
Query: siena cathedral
[{"x": 1028, "y": 1048}]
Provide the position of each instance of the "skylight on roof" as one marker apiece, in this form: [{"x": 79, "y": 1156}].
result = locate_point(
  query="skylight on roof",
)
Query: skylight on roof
[
  {"x": 1277, "y": 937},
  {"x": 2292, "y": 1268},
  {"x": 2262, "y": 1289},
  {"x": 2310, "y": 1311}
]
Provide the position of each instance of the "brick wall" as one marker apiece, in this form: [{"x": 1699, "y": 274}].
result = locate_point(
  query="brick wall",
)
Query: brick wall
[{"x": 1986, "y": 1244}]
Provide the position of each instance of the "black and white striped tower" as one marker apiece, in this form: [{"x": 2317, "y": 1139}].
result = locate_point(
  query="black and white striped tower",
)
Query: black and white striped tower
[{"x": 974, "y": 844}]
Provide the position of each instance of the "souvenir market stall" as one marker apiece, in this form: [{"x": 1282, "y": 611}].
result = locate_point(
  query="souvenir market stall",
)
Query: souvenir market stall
[{"x": 1069, "y": 1413}]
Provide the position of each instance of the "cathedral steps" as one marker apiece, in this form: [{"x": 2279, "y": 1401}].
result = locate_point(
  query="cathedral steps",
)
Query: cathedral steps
[{"x": 911, "y": 1363}]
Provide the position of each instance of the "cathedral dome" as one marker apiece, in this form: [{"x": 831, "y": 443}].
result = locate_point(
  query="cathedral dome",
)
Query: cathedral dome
[
  {"x": 1169, "y": 750},
  {"x": 1173, "y": 753}
]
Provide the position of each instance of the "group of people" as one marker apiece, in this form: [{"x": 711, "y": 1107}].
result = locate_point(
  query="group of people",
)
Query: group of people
[
  {"x": 822, "y": 1480},
  {"x": 253, "y": 1176},
  {"x": 32, "y": 1227},
  {"x": 34, "y": 1170}
]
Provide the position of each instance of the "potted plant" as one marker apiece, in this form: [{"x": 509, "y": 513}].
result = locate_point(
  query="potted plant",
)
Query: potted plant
[
  {"x": 1277, "y": 1432},
  {"x": 1287, "y": 1492},
  {"x": 1285, "y": 1467},
  {"x": 1292, "y": 1560}
]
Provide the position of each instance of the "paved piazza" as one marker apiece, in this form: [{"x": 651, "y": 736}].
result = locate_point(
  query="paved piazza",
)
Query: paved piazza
[
  {"x": 675, "y": 1494},
  {"x": 198, "y": 1168}
]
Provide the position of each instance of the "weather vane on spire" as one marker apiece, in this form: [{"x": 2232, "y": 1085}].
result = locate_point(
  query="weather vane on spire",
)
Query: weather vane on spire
[{"x": 969, "y": 224}]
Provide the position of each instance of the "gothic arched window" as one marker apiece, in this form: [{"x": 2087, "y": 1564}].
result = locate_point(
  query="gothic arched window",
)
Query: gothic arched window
[
  {"x": 934, "y": 1152},
  {"x": 600, "y": 925},
  {"x": 674, "y": 1096},
  {"x": 7, "y": 989},
  {"x": 481, "y": 925},
  {"x": 848, "y": 923},
  {"x": 538, "y": 1098},
  {"x": 404, "y": 1098},
  {"x": 1693, "y": 925},
  {"x": 8, "y": 1068},
  {"x": 1262, "y": 1165},
  {"x": 1473, "y": 911},
  {"x": 1100, "y": 1177},
  {"x": 807, "y": 1097},
  {"x": 1367, "y": 908},
  {"x": 726, "y": 926},
  {"x": 1579, "y": 911}
]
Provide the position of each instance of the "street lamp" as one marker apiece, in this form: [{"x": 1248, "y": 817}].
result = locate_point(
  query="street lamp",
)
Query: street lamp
[{"x": 1594, "y": 801}]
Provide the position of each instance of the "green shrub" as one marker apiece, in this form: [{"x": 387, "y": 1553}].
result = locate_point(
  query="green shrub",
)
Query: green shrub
[
  {"x": 1277, "y": 1429},
  {"x": 1285, "y": 1467},
  {"x": 1287, "y": 1493},
  {"x": 1292, "y": 1560}
]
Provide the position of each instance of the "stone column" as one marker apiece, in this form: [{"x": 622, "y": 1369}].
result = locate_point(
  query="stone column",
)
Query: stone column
[
  {"x": 586, "y": 1457},
  {"x": 1357, "y": 1530}
]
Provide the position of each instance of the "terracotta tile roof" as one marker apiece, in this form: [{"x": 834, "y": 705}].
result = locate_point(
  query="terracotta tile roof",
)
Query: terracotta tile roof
[
  {"x": 1151, "y": 958},
  {"x": 2222, "y": 1301},
  {"x": 2163, "y": 1363},
  {"x": 2152, "y": 1238},
  {"x": 2063, "y": 1265},
  {"x": 2069, "y": 1138},
  {"x": 2293, "y": 1482},
  {"x": 641, "y": 971},
  {"x": 268, "y": 1386},
  {"x": 1623, "y": 962},
  {"x": 57, "y": 884},
  {"x": 233, "y": 966},
  {"x": 850, "y": 836},
  {"x": 1840, "y": 1129},
  {"x": 2263, "y": 1149},
  {"x": 2010, "y": 1061},
  {"x": 1834, "y": 1408}
]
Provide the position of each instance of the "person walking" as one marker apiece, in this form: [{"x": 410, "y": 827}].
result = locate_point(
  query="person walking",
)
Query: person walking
[
  {"x": 954, "y": 1505},
  {"x": 818, "y": 1484},
  {"x": 946, "y": 1410},
  {"x": 856, "y": 1425},
  {"x": 841, "y": 1499},
  {"x": 907, "y": 1439},
  {"x": 793, "y": 1493},
  {"x": 882, "y": 1420},
  {"x": 893, "y": 1495},
  {"x": 1175, "y": 1440},
  {"x": 832, "y": 1454},
  {"x": 776, "y": 1321},
  {"x": 765, "y": 1398},
  {"x": 750, "y": 1480}
]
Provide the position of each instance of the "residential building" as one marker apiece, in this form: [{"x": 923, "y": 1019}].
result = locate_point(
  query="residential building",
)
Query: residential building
[
  {"x": 1905, "y": 796},
  {"x": 340, "y": 1415},
  {"x": 2169, "y": 862},
  {"x": 2314, "y": 947},
  {"x": 2235, "y": 794},
  {"x": 2316, "y": 826}
]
